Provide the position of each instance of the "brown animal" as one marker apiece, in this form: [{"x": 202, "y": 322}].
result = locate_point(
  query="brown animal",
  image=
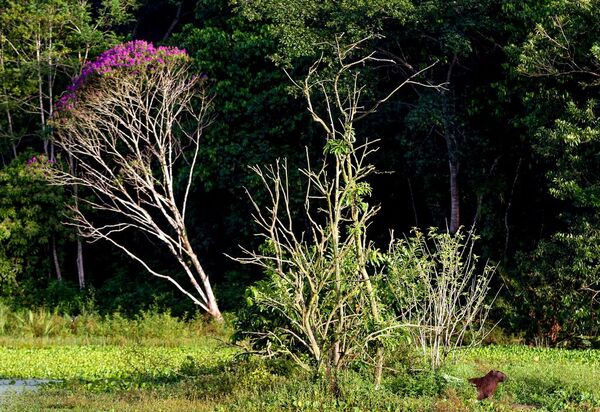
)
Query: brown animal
[{"x": 486, "y": 385}]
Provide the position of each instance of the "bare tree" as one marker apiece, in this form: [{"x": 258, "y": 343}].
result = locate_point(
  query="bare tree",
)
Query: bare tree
[
  {"x": 127, "y": 129},
  {"x": 322, "y": 278}
]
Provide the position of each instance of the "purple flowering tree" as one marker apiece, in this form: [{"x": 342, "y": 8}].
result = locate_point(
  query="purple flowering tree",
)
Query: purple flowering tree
[{"x": 126, "y": 121}]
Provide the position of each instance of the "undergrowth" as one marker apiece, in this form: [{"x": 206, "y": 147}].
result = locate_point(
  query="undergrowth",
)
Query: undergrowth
[
  {"x": 156, "y": 362},
  {"x": 88, "y": 324}
]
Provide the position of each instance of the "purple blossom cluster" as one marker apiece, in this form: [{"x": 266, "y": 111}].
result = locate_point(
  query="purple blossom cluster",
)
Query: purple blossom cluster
[
  {"x": 136, "y": 54},
  {"x": 31, "y": 161},
  {"x": 41, "y": 159}
]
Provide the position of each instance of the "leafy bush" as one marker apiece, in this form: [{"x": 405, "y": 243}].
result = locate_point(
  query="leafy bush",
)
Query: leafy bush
[
  {"x": 417, "y": 384},
  {"x": 39, "y": 323},
  {"x": 439, "y": 291}
]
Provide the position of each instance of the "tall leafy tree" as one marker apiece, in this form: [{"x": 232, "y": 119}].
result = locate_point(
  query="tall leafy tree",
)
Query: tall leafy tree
[
  {"x": 561, "y": 57},
  {"x": 43, "y": 43},
  {"x": 30, "y": 225}
]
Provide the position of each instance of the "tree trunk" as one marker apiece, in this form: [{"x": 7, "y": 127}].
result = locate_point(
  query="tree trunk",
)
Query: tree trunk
[
  {"x": 453, "y": 168},
  {"x": 11, "y": 133},
  {"x": 10, "y": 126},
  {"x": 412, "y": 202},
  {"x": 454, "y": 194},
  {"x": 50, "y": 85},
  {"x": 379, "y": 357},
  {"x": 56, "y": 261},
  {"x": 506, "y": 212},
  {"x": 80, "y": 270},
  {"x": 335, "y": 229},
  {"x": 213, "y": 308},
  {"x": 38, "y": 47},
  {"x": 449, "y": 134},
  {"x": 211, "y": 301},
  {"x": 8, "y": 114},
  {"x": 79, "y": 259},
  {"x": 174, "y": 22}
]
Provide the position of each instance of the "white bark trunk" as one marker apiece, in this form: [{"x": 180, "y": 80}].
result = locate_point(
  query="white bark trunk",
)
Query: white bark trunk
[
  {"x": 56, "y": 261},
  {"x": 80, "y": 270}
]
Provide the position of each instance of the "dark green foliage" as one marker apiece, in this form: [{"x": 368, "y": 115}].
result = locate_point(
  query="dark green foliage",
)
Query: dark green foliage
[
  {"x": 31, "y": 213},
  {"x": 65, "y": 296},
  {"x": 561, "y": 276},
  {"x": 301, "y": 27},
  {"x": 521, "y": 105},
  {"x": 129, "y": 290},
  {"x": 252, "y": 317},
  {"x": 256, "y": 120}
]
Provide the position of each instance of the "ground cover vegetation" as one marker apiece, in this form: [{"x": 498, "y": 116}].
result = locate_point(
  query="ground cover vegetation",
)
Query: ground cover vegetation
[
  {"x": 157, "y": 362},
  {"x": 309, "y": 205}
]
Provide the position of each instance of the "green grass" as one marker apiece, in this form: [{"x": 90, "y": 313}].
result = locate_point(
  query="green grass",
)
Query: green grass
[
  {"x": 557, "y": 379},
  {"x": 158, "y": 363}
]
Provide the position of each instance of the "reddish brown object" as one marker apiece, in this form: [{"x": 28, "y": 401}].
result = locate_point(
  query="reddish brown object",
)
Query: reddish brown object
[{"x": 486, "y": 385}]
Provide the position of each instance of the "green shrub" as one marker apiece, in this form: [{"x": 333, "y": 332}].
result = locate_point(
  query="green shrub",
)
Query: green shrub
[
  {"x": 417, "y": 384},
  {"x": 149, "y": 324},
  {"x": 40, "y": 323}
]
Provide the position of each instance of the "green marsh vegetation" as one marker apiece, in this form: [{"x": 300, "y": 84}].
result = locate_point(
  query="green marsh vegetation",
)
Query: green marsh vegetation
[{"x": 158, "y": 362}]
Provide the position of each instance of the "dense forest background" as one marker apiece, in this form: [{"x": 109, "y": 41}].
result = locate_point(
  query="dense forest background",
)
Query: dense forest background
[{"x": 510, "y": 146}]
